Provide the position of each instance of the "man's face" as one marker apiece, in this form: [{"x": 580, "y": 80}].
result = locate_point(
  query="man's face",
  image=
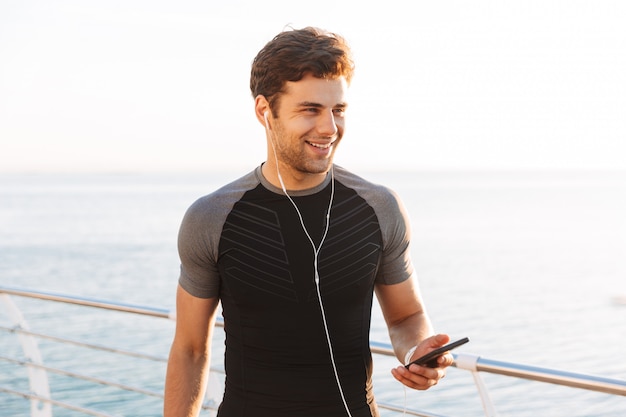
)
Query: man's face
[{"x": 309, "y": 125}]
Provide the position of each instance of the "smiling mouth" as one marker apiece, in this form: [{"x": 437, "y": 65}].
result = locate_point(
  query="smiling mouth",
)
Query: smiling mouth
[{"x": 321, "y": 145}]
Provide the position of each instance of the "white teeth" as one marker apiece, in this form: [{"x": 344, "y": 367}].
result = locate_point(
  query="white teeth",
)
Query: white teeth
[{"x": 317, "y": 145}]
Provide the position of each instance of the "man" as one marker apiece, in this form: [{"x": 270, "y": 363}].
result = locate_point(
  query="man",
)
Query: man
[{"x": 294, "y": 251}]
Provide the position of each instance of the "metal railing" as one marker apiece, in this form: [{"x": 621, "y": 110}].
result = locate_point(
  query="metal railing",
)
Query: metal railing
[{"x": 41, "y": 401}]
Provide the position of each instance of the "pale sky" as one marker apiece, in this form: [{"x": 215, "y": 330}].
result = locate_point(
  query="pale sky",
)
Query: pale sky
[{"x": 118, "y": 86}]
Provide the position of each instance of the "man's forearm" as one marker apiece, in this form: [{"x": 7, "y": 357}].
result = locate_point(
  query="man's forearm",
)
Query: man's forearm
[
  {"x": 185, "y": 384},
  {"x": 409, "y": 333}
]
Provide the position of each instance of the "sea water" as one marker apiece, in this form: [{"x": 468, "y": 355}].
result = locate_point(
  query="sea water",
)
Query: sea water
[{"x": 528, "y": 265}]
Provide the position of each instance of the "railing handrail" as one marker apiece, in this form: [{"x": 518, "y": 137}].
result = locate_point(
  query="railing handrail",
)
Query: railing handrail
[
  {"x": 597, "y": 383},
  {"x": 463, "y": 361},
  {"x": 90, "y": 302}
]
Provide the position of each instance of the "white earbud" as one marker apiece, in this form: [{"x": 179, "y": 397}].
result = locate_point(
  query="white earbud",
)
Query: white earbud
[{"x": 267, "y": 125}]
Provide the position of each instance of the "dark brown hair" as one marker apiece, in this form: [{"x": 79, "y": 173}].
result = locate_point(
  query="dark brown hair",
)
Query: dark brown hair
[{"x": 295, "y": 53}]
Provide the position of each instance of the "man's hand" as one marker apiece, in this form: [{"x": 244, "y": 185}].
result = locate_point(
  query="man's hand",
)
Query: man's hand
[{"x": 421, "y": 377}]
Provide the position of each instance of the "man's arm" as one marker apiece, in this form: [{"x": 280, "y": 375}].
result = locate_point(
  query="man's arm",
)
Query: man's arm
[
  {"x": 409, "y": 325},
  {"x": 188, "y": 363}
]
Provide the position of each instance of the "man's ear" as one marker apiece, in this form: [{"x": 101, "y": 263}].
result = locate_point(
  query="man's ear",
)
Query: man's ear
[{"x": 262, "y": 110}]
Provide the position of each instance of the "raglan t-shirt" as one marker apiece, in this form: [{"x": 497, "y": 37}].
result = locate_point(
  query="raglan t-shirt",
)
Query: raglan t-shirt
[{"x": 245, "y": 244}]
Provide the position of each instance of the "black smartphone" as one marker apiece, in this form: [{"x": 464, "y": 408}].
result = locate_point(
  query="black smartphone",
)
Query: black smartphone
[{"x": 430, "y": 359}]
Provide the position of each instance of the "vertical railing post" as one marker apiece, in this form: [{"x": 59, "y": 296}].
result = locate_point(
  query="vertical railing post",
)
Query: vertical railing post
[
  {"x": 469, "y": 362},
  {"x": 38, "y": 378}
]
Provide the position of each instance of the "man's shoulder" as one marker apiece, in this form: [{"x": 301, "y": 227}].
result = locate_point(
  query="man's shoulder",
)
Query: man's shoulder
[
  {"x": 225, "y": 196},
  {"x": 364, "y": 187}
]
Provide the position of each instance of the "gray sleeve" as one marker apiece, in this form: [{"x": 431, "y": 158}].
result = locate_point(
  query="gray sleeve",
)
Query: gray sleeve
[
  {"x": 396, "y": 265},
  {"x": 199, "y": 237},
  {"x": 198, "y": 240}
]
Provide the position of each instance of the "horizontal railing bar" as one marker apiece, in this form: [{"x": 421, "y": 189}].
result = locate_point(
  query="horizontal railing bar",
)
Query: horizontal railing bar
[
  {"x": 83, "y": 377},
  {"x": 86, "y": 345},
  {"x": 385, "y": 406},
  {"x": 553, "y": 376},
  {"x": 57, "y": 403},
  {"x": 534, "y": 373},
  {"x": 381, "y": 348},
  {"x": 407, "y": 411},
  {"x": 91, "y": 302},
  {"x": 93, "y": 379}
]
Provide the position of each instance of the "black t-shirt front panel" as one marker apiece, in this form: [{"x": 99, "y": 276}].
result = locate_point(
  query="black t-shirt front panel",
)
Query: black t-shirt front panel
[{"x": 277, "y": 356}]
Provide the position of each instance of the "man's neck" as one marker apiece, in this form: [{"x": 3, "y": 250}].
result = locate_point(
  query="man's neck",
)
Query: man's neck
[{"x": 290, "y": 179}]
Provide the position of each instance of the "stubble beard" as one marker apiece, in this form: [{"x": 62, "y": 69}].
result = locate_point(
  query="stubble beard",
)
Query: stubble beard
[{"x": 298, "y": 160}]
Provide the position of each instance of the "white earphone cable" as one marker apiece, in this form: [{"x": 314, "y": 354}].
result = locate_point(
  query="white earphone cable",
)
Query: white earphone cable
[{"x": 316, "y": 251}]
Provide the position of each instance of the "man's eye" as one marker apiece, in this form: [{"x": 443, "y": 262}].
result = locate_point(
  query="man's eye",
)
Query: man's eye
[{"x": 339, "y": 112}]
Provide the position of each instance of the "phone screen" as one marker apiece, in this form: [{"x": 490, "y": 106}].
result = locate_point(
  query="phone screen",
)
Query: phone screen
[{"x": 430, "y": 359}]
